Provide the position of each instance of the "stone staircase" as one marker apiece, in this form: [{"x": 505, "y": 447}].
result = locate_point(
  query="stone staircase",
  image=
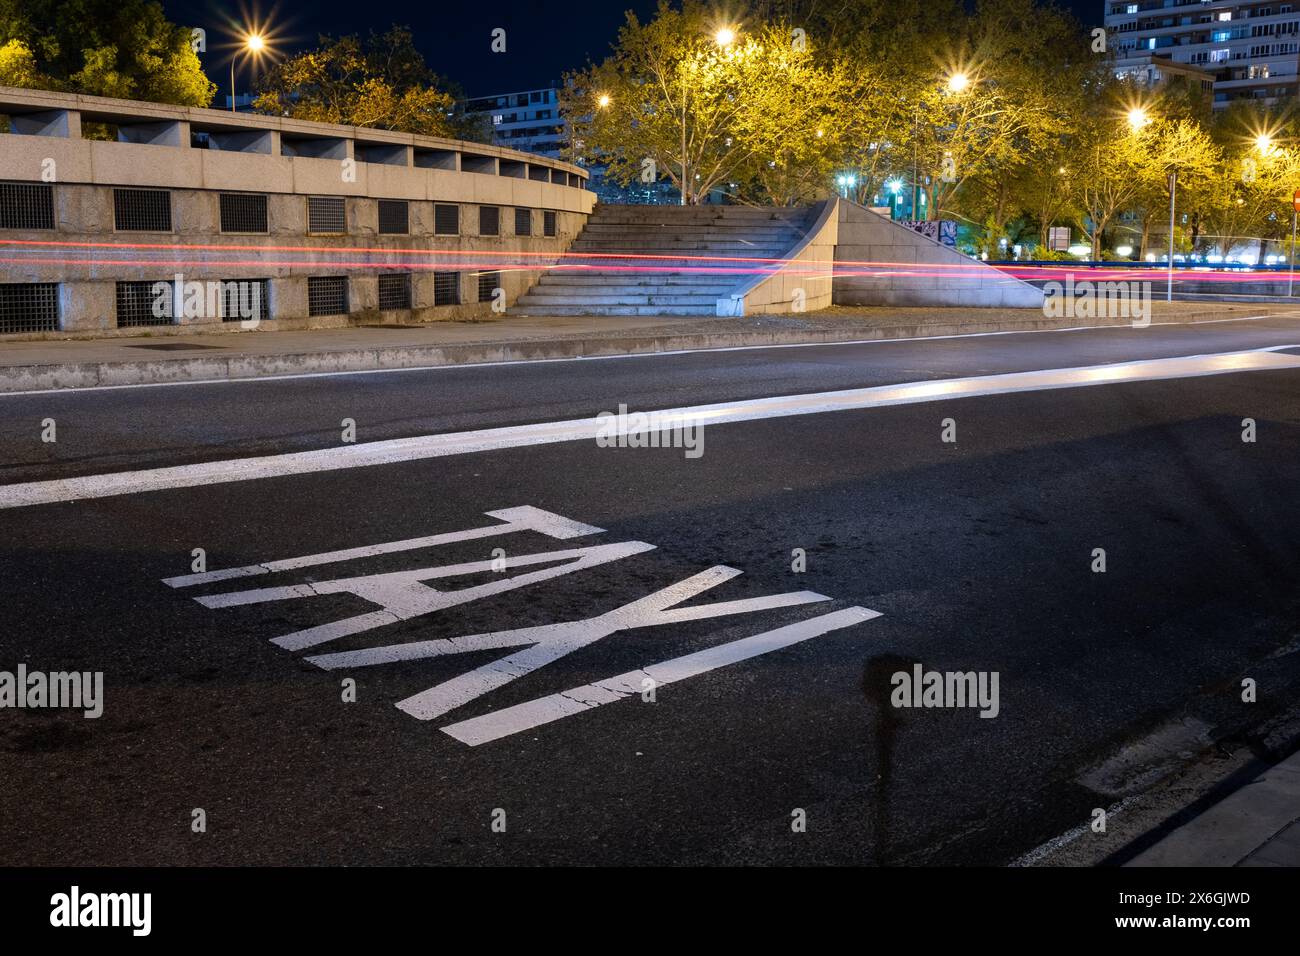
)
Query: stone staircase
[{"x": 664, "y": 260}]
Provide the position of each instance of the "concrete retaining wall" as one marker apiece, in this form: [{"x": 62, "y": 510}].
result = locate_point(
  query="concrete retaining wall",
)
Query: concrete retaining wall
[
  {"x": 801, "y": 285},
  {"x": 878, "y": 262},
  {"x": 196, "y": 155}
]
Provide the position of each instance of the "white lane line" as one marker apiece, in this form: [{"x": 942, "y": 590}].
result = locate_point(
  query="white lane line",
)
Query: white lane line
[
  {"x": 543, "y": 710},
  {"x": 631, "y": 355},
  {"x": 586, "y": 429},
  {"x": 523, "y": 518}
]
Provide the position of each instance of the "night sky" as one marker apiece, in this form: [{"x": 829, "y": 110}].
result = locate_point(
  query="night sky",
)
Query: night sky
[{"x": 543, "y": 39}]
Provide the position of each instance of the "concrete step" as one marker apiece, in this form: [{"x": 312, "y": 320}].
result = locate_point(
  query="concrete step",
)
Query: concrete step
[
  {"x": 699, "y": 229},
  {"x": 657, "y": 260},
  {"x": 724, "y": 230},
  {"x": 664, "y": 263},
  {"x": 635, "y": 289},
  {"x": 692, "y": 246},
  {"x": 706, "y": 234},
  {"x": 680, "y": 285},
  {"x": 611, "y": 297},
  {"x": 662, "y": 274},
  {"x": 614, "y": 310},
  {"x": 696, "y": 213}
]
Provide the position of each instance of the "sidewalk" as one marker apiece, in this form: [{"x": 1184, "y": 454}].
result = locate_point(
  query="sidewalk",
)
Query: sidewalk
[
  {"x": 1256, "y": 825},
  {"x": 179, "y": 356}
]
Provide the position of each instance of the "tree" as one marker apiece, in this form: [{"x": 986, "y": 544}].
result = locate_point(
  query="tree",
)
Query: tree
[
  {"x": 1174, "y": 145},
  {"x": 380, "y": 82},
  {"x": 793, "y": 120},
  {"x": 1110, "y": 159},
  {"x": 889, "y": 52},
  {"x": 120, "y": 48},
  {"x": 1251, "y": 193},
  {"x": 674, "y": 100},
  {"x": 1048, "y": 189}
]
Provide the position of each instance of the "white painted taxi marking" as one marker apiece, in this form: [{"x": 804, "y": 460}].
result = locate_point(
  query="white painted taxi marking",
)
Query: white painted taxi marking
[{"x": 404, "y": 595}]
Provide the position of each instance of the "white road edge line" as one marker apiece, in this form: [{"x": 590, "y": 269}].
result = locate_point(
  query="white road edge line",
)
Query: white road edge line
[
  {"x": 606, "y": 358},
  {"x": 422, "y": 447}
]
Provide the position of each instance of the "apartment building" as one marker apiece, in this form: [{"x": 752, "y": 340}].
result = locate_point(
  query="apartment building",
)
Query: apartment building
[
  {"x": 1250, "y": 50},
  {"x": 528, "y": 121}
]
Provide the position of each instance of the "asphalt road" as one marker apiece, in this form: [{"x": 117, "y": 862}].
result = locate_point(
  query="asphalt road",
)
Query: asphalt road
[{"x": 977, "y": 555}]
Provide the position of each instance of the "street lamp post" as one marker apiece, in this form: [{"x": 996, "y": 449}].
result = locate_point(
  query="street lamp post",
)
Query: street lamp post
[
  {"x": 1290, "y": 281},
  {"x": 685, "y": 171},
  {"x": 916, "y": 123},
  {"x": 723, "y": 38},
  {"x": 957, "y": 83},
  {"x": 254, "y": 44},
  {"x": 1173, "y": 186}
]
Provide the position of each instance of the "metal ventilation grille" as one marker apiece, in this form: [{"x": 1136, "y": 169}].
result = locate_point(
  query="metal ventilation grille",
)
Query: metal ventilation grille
[
  {"x": 136, "y": 301},
  {"x": 29, "y": 307},
  {"x": 142, "y": 210},
  {"x": 26, "y": 206},
  {"x": 394, "y": 291},
  {"x": 446, "y": 288},
  {"x": 394, "y": 217},
  {"x": 446, "y": 220},
  {"x": 523, "y": 222},
  {"x": 548, "y": 223},
  {"x": 327, "y": 295},
  {"x": 489, "y": 221},
  {"x": 487, "y": 283},
  {"x": 243, "y": 300},
  {"x": 326, "y": 214},
  {"x": 243, "y": 212}
]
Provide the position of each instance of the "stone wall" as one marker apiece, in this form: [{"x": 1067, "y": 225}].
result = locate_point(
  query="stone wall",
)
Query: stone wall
[{"x": 197, "y": 155}]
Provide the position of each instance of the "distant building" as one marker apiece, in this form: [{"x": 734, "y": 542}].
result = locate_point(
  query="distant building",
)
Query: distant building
[
  {"x": 531, "y": 122},
  {"x": 1150, "y": 71},
  {"x": 243, "y": 102},
  {"x": 528, "y": 121},
  {"x": 1250, "y": 50}
]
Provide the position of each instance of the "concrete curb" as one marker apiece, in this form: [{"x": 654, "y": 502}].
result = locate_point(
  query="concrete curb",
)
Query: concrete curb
[
  {"x": 1237, "y": 827},
  {"x": 19, "y": 378}
]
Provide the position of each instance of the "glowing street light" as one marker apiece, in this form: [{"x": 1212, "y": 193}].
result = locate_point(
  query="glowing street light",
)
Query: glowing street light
[
  {"x": 958, "y": 82},
  {"x": 1137, "y": 118},
  {"x": 254, "y": 44},
  {"x": 1264, "y": 143},
  {"x": 724, "y": 37},
  {"x": 603, "y": 100}
]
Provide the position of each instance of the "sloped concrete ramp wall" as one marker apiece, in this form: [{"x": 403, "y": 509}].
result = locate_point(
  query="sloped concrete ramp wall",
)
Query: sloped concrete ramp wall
[
  {"x": 878, "y": 262},
  {"x": 801, "y": 284}
]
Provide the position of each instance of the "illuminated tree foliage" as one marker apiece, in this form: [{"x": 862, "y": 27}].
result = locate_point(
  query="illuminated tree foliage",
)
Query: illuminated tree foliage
[
  {"x": 121, "y": 48},
  {"x": 381, "y": 81},
  {"x": 680, "y": 100}
]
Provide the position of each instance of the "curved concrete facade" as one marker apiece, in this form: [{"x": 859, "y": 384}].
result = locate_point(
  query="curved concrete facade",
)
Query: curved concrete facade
[{"x": 322, "y": 224}]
